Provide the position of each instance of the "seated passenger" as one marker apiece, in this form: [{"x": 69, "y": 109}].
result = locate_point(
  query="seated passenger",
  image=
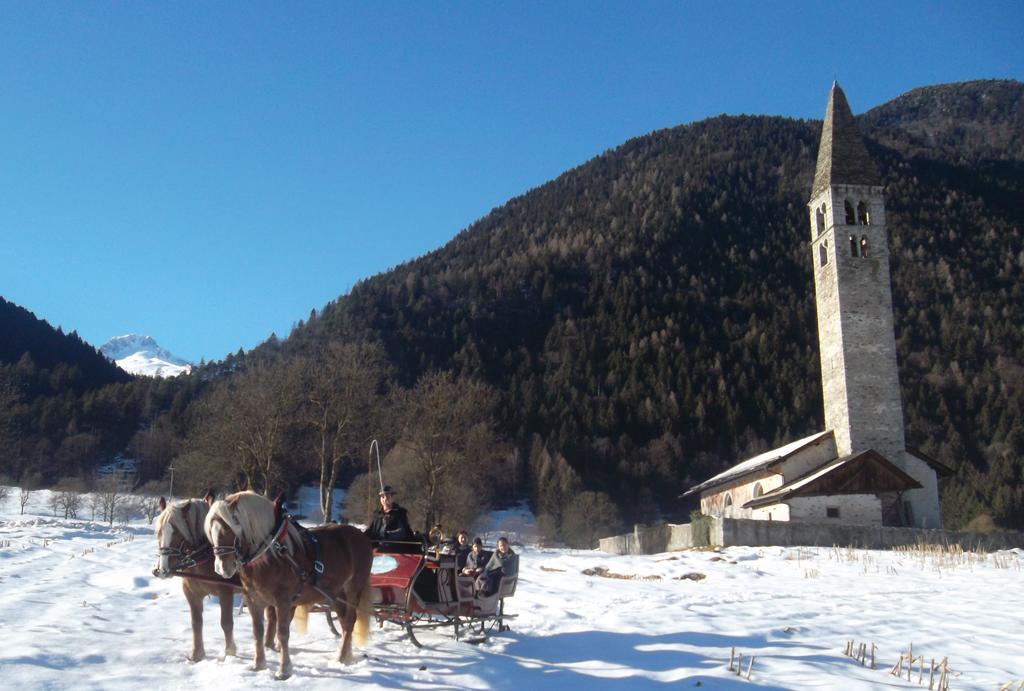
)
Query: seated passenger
[
  {"x": 390, "y": 523},
  {"x": 476, "y": 560},
  {"x": 462, "y": 549},
  {"x": 504, "y": 562}
]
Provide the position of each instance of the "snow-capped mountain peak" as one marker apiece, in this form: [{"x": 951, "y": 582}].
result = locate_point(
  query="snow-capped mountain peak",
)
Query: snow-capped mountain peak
[{"x": 143, "y": 355}]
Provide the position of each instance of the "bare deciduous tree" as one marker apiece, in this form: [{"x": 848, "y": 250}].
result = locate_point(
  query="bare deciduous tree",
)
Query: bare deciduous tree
[
  {"x": 340, "y": 401},
  {"x": 67, "y": 497},
  {"x": 129, "y": 509},
  {"x": 147, "y": 499},
  {"x": 200, "y": 468},
  {"x": 70, "y": 502},
  {"x": 589, "y": 516},
  {"x": 243, "y": 425},
  {"x": 149, "y": 507},
  {"x": 447, "y": 430},
  {"x": 108, "y": 497},
  {"x": 155, "y": 447}
]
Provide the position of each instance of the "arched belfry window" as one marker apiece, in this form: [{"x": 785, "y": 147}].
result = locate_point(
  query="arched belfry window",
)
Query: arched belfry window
[
  {"x": 862, "y": 214},
  {"x": 853, "y": 245},
  {"x": 819, "y": 220},
  {"x": 727, "y": 505},
  {"x": 758, "y": 491},
  {"x": 823, "y": 252},
  {"x": 851, "y": 219},
  {"x": 863, "y": 245}
]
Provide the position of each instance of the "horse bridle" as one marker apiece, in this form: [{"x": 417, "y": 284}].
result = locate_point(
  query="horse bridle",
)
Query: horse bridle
[
  {"x": 235, "y": 548},
  {"x": 189, "y": 556},
  {"x": 223, "y": 551}
]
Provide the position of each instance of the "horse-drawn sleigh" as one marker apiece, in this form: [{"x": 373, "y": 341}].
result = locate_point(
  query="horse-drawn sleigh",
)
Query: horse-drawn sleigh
[
  {"x": 248, "y": 543},
  {"x": 426, "y": 590}
]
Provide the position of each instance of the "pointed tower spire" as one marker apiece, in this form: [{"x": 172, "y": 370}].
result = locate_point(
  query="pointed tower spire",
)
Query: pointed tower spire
[{"x": 842, "y": 158}]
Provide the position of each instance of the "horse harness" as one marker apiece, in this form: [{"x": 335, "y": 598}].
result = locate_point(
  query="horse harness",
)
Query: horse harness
[{"x": 275, "y": 545}]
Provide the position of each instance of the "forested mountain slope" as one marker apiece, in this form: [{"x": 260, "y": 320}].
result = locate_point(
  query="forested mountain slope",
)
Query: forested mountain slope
[
  {"x": 650, "y": 313},
  {"x": 64, "y": 407},
  {"x": 72, "y": 362}
]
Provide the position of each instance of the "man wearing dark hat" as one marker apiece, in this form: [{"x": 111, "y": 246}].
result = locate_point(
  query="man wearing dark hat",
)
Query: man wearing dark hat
[{"x": 390, "y": 522}]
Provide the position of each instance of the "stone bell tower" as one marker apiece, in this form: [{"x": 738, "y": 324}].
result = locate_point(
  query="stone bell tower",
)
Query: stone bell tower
[{"x": 850, "y": 252}]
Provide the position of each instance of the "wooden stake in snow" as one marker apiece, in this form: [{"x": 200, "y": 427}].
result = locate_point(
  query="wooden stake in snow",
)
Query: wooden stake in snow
[
  {"x": 750, "y": 666},
  {"x": 873, "y": 648},
  {"x": 897, "y": 669},
  {"x": 739, "y": 664},
  {"x": 732, "y": 656}
]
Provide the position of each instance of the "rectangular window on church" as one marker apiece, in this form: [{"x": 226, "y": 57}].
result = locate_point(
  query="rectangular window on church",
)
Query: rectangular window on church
[{"x": 832, "y": 512}]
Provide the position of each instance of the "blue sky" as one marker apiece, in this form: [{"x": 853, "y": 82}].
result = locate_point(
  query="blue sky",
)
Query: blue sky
[{"x": 207, "y": 173}]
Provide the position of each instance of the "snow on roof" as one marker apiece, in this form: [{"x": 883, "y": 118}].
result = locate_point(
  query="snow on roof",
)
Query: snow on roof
[
  {"x": 758, "y": 462},
  {"x": 780, "y": 493},
  {"x": 788, "y": 489}
]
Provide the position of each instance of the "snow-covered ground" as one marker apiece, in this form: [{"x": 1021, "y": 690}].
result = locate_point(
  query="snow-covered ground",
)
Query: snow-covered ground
[{"x": 79, "y": 609}]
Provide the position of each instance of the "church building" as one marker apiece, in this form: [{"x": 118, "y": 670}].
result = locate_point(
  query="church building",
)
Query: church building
[{"x": 859, "y": 469}]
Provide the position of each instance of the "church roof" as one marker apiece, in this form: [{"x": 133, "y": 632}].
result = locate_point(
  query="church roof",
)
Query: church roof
[
  {"x": 842, "y": 157},
  {"x": 757, "y": 462},
  {"x": 867, "y": 472}
]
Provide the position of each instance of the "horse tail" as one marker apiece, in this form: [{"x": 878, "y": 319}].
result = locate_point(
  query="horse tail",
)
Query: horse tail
[
  {"x": 361, "y": 635},
  {"x": 301, "y": 619}
]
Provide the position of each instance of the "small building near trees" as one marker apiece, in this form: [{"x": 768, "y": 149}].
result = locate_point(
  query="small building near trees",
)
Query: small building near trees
[{"x": 808, "y": 480}]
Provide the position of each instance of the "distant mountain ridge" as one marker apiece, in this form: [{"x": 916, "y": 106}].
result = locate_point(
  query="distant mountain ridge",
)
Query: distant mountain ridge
[
  {"x": 980, "y": 120},
  {"x": 142, "y": 355}
]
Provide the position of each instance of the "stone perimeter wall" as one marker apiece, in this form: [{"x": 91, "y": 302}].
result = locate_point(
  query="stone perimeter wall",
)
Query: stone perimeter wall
[{"x": 726, "y": 532}]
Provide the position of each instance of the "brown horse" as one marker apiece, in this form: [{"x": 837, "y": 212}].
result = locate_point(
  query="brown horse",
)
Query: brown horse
[
  {"x": 280, "y": 567},
  {"x": 183, "y": 550}
]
